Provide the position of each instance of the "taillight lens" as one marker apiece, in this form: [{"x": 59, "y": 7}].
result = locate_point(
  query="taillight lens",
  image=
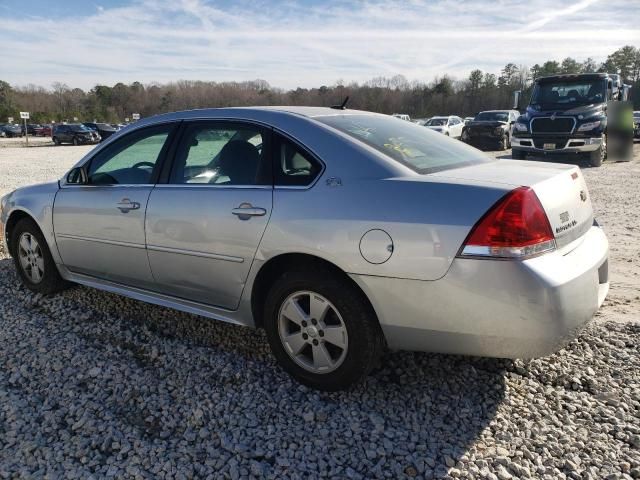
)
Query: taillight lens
[{"x": 515, "y": 227}]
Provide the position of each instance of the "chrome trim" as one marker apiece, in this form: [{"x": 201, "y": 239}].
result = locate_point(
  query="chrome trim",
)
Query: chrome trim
[
  {"x": 110, "y": 185},
  {"x": 590, "y": 145},
  {"x": 555, "y": 117},
  {"x": 217, "y": 186},
  {"x": 100, "y": 240},
  {"x": 193, "y": 253}
]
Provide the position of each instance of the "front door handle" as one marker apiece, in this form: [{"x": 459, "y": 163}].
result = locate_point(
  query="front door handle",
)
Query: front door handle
[
  {"x": 245, "y": 211},
  {"x": 125, "y": 205}
]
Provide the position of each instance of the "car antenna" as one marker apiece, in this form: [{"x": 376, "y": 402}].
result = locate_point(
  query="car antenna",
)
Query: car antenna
[{"x": 343, "y": 105}]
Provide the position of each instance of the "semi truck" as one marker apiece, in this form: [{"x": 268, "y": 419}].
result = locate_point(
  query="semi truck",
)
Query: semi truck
[{"x": 568, "y": 115}]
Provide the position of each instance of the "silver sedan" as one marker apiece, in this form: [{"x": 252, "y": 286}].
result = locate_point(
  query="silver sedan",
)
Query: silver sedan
[{"x": 339, "y": 232}]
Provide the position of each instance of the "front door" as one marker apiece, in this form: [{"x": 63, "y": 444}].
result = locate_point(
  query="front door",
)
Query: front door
[
  {"x": 99, "y": 225},
  {"x": 205, "y": 223}
]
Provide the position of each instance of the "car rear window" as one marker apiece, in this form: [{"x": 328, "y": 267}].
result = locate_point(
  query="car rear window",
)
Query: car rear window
[{"x": 422, "y": 150}]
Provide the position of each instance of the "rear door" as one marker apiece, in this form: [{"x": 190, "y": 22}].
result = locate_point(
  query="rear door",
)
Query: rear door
[
  {"x": 205, "y": 222},
  {"x": 99, "y": 225}
]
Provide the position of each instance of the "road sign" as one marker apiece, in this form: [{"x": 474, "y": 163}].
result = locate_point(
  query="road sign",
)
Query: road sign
[
  {"x": 10, "y": 119},
  {"x": 24, "y": 115},
  {"x": 135, "y": 116}
]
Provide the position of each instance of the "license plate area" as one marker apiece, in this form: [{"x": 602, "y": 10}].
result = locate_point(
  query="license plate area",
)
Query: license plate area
[{"x": 549, "y": 146}]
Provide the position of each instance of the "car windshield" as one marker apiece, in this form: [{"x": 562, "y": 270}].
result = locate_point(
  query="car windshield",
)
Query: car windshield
[
  {"x": 568, "y": 94},
  {"x": 436, "y": 122},
  {"x": 492, "y": 117},
  {"x": 416, "y": 147},
  {"x": 79, "y": 128}
]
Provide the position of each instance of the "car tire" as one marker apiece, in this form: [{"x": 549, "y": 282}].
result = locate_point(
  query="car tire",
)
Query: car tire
[
  {"x": 56, "y": 140},
  {"x": 33, "y": 260},
  {"x": 518, "y": 154},
  {"x": 288, "y": 313},
  {"x": 75, "y": 141},
  {"x": 464, "y": 136},
  {"x": 503, "y": 143},
  {"x": 597, "y": 157}
]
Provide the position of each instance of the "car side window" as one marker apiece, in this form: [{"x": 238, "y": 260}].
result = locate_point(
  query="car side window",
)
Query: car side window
[
  {"x": 224, "y": 154},
  {"x": 132, "y": 160},
  {"x": 293, "y": 166}
]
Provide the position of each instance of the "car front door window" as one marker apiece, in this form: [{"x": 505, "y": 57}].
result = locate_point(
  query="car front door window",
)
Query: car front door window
[{"x": 132, "y": 160}]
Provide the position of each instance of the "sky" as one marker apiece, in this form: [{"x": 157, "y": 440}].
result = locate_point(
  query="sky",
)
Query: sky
[{"x": 297, "y": 43}]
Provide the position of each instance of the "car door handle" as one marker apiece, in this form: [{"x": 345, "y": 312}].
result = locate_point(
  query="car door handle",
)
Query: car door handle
[
  {"x": 246, "y": 211},
  {"x": 126, "y": 205}
]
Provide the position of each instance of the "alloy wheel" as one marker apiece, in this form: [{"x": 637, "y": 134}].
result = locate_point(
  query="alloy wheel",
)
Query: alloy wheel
[
  {"x": 31, "y": 258},
  {"x": 312, "y": 332}
]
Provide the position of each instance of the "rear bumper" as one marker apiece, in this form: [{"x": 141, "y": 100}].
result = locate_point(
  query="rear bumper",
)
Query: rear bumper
[
  {"x": 508, "y": 309},
  {"x": 571, "y": 145}
]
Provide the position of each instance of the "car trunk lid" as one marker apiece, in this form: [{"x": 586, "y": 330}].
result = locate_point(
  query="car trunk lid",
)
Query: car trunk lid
[{"x": 561, "y": 189}]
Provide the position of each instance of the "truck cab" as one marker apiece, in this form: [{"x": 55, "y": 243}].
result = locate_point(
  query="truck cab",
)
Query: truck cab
[{"x": 567, "y": 115}]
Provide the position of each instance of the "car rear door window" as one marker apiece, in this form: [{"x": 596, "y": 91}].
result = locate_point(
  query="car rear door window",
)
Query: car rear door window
[
  {"x": 293, "y": 166},
  {"x": 222, "y": 154}
]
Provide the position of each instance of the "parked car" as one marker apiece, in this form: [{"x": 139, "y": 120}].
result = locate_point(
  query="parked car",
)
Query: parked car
[
  {"x": 420, "y": 121},
  {"x": 9, "y": 130},
  {"x": 402, "y": 116},
  {"x": 491, "y": 129},
  {"x": 74, "y": 133},
  {"x": 31, "y": 128},
  {"x": 636, "y": 124},
  {"x": 253, "y": 216},
  {"x": 467, "y": 120},
  {"x": 104, "y": 129},
  {"x": 43, "y": 131},
  {"x": 450, "y": 126}
]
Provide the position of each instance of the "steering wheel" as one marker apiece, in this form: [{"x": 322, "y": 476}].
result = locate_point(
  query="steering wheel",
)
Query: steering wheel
[{"x": 144, "y": 164}]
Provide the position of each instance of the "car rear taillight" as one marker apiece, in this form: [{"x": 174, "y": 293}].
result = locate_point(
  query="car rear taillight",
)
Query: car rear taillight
[{"x": 515, "y": 227}]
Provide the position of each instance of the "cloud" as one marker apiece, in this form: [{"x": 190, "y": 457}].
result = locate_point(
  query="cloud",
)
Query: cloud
[{"x": 294, "y": 43}]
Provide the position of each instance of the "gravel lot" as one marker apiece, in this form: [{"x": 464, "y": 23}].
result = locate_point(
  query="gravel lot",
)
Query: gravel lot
[{"x": 95, "y": 385}]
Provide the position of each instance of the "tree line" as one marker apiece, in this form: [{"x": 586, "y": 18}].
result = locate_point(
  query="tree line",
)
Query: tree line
[{"x": 444, "y": 95}]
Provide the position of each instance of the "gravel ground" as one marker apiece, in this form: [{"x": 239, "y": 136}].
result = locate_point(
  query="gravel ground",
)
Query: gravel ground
[{"x": 95, "y": 385}]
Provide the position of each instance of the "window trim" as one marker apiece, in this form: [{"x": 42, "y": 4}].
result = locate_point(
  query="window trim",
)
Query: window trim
[
  {"x": 306, "y": 150},
  {"x": 164, "y": 179},
  {"x": 162, "y": 158}
]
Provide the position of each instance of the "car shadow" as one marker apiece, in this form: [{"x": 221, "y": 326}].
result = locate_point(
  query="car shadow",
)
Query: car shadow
[{"x": 416, "y": 414}]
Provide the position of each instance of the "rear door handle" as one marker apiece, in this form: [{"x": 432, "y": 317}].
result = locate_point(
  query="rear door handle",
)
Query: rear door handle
[
  {"x": 125, "y": 205},
  {"x": 245, "y": 211}
]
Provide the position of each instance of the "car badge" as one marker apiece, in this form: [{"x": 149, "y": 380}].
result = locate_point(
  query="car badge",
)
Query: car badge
[
  {"x": 334, "y": 182},
  {"x": 583, "y": 195},
  {"x": 553, "y": 116}
]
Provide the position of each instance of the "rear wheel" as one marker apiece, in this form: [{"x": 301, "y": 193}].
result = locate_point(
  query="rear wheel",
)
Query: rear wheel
[
  {"x": 75, "y": 141},
  {"x": 464, "y": 136},
  {"x": 33, "y": 260},
  {"x": 518, "y": 154},
  {"x": 503, "y": 143},
  {"x": 56, "y": 140},
  {"x": 321, "y": 329}
]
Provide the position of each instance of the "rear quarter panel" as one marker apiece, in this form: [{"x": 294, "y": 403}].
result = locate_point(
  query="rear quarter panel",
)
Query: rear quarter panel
[{"x": 427, "y": 221}]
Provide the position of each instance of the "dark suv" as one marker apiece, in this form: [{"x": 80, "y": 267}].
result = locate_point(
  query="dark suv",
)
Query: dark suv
[
  {"x": 75, "y": 133},
  {"x": 104, "y": 129}
]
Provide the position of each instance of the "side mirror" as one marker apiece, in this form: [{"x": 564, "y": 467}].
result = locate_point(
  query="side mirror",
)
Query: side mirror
[{"x": 77, "y": 176}]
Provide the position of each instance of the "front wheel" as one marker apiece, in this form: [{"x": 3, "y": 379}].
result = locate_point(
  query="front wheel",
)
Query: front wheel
[
  {"x": 597, "y": 157},
  {"x": 56, "y": 140},
  {"x": 75, "y": 141},
  {"x": 321, "y": 329},
  {"x": 33, "y": 260}
]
